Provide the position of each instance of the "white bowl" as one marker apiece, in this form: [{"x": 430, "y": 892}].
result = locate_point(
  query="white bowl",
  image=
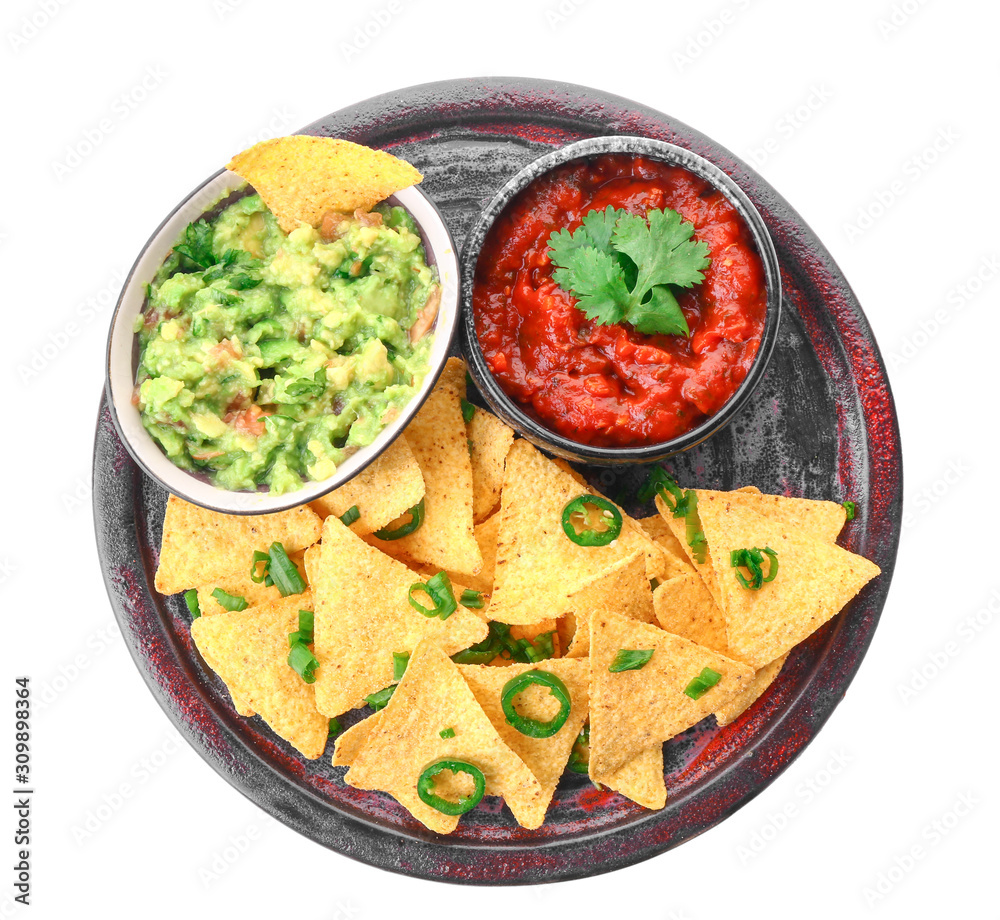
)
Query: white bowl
[{"x": 123, "y": 355}]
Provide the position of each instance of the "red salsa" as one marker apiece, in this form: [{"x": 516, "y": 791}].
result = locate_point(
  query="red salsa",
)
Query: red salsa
[{"x": 611, "y": 385}]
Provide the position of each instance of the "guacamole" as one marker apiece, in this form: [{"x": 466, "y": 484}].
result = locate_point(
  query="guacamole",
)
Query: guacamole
[{"x": 266, "y": 359}]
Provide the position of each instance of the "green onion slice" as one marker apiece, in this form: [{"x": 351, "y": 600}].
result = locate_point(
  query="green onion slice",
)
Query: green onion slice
[
  {"x": 303, "y": 662},
  {"x": 425, "y": 787},
  {"x": 751, "y": 560},
  {"x": 439, "y": 590},
  {"x": 534, "y": 728},
  {"x": 282, "y": 570},
  {"x": 191, "y": 599},
  {"x": 701, "y": 684},
  {"x": 692, "y": 527},
  {"x": 609, "y": 517},
  {"x": 630, "y": 659},
  {"x": 851, "y": 509},
  {"x": 399, "y": 662},
  {"x": 335, "y": 728},
  {"x": 468, "y": 410},
  {"x": 229, "y": 601},
  {"x": 260, "y": 575},
  {"x": 473, "y": 600},
  {"x": 381, "y": 699},
  {"x": 579, "y": 758},
  {"x": 660, "y": 482},
  {"x": 447, "y": 733},
  {"x": 306, "y": 625},
  {"x": 404, "y": 530},
  {"x": 350, "y": 516}
]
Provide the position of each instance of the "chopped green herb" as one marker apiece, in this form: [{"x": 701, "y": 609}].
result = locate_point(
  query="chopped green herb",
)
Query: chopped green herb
[
  {"x": 701, "y": 684},
  {"x": 335, "y": 729},
  {"x": 399, "y": 662},
  {"x": 380, "y": 700},
  {"x": 624, "y": 268},
  {"x": 468, "y": 410},
  {"x": 630, "y": 659},
  {"x": 303, "y": 662},
  {"x": 229, "y": 601},
  {"x": 579, "y": 758},
  {"x": 258, "y": 569},
  {"x": 851, "y": 509},
  {"x": 752, "y": 560},
  {"x": 439, "y": 590},
  {"x": 472, "y": 599},
  {"x": 191, "y": 599},
  {"x": 404, "y": 530},
  {"x": 350, "y": 516},
  {"x": 447, "y": 733}
]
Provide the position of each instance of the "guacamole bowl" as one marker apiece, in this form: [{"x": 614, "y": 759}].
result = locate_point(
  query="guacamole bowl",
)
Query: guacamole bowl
[{"x": 124, "y": 357}]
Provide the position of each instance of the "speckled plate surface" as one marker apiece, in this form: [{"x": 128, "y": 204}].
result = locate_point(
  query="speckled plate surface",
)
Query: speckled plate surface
[{"x": 821, "y": 425}]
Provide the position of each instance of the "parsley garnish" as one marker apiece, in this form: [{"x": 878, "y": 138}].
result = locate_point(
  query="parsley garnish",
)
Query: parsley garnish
[{"x": 622, "y": 268}]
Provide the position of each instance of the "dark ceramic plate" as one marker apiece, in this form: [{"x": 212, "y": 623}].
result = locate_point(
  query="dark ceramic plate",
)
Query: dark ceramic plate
[{"x": 821, "y": 425}]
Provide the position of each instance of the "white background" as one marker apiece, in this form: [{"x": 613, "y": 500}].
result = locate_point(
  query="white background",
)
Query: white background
[{"x": 853, "y": 98}]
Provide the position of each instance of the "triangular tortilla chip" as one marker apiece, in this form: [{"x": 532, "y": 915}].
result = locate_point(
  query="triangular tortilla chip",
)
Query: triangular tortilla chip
[
  {"x": 248, "y": 649},
  {"x": 363, "y": 615},
  {"x": 735, "y": 707},
  {"x": 538, "y": 567},
  {"x": 631, "y": 711},
  {"x": 641, "y": 779},
  {"x": 389, "y": 486},
  {"x": 433, "y": 697},
  {"x": 489, "y": 443},
  {"x": 545, "y": 757},
  {"x": 200, "y": 546},
  {"x": 240, "y": 584},
  {"x": 815, "y": 580},
  {"x": 623, "y": 589},
  {"x": 486, "y": 539},
  {"x": 438, "y": 439},
  {"x": 300, "y": 177},
  {"x": 684, "y": 607}
]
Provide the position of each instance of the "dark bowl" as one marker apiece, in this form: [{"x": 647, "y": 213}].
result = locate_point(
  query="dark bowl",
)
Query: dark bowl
[{"x": 512, "y": 412}]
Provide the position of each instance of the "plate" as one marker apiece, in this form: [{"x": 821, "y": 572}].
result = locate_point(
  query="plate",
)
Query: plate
[{"x": 821, "y": 424}]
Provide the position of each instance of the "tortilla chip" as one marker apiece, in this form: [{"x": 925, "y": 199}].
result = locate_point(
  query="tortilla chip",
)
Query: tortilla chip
[
  {"x": 446, "y": 538},
  {"x": 546, "y": 758},
  {"x": 623, "y": 589},
  {"x": 433, "y": 697},
  {"x": 350, "y": 741},
  {"x": 684, "y": 607},
  {"x": 634, "y": 710},
  {"x": 300, "y": 177},
  {"x": 383, "y": 491},
  {"x": 248, "y": 649},
  {"x": 489, "y": 442},
  {"x": 641, "y": 779},
  {"x": 240, "y": 584},
  {"x": 671, "y": 560},
  {"x": 486, "y": 539},
  {"x": 815, "y": 580},
  {"x": 363, "y": 615},
  {"x": 538, "y": 567},
  {"x": 201, "y": 546},
  {"x": 740, "y": 703}
]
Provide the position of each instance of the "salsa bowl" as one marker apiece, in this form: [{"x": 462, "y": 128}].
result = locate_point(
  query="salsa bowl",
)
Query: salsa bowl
[
  {"x": 123, "y": 355},
  {"x": 554, "y": 415}
]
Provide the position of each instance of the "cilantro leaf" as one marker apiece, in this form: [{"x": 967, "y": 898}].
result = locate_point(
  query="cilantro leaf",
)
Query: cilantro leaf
[
  {"x": 197, "y": 244},
  {"x": 661, "y": 250},
  {"x": 598, "y": 283},
  {"x": 620, "y": 267},
  {"x": 659, "y": 314}
]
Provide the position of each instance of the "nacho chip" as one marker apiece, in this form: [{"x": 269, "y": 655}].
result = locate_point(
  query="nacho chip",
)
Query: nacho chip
[
  {"x": 240, "y": 584},
  {"x": 363, "y": 615},
  {"x": 300, "y": 177},
  {"x": 538, "y": 567},
  {"x": 631, "y": 711},
  {"x": 622, "y": 589},
  {"x": 389, "y": 486},
  {"x": 350, "y": 741},
  {"x": 248, "y": 649},
  {"x": 670, "y": 560},
  {"x": 546, "y": 758},
  {"x": 735, "y": 707},
  {"x": 815, "y": 580},
  {"x": 641, "y": 779},
  {"x": 201, "y": 546},
  {"x": 684, "y": 607},
  {"x": 486, "y": 539},
  {"x": 433, "y": 697},
  {"x": 489, "y": 442},
  {"x": 446, "y": 538}
]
